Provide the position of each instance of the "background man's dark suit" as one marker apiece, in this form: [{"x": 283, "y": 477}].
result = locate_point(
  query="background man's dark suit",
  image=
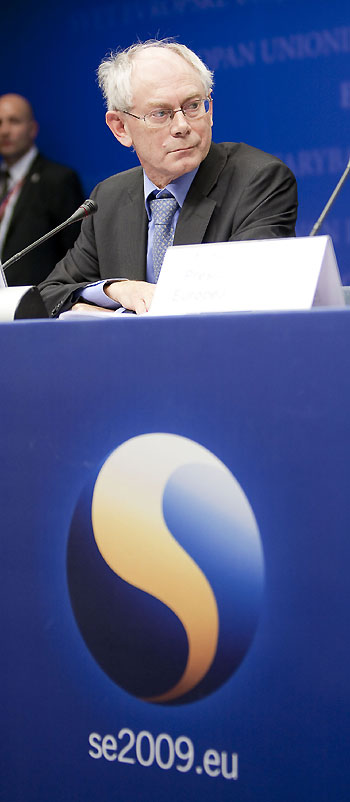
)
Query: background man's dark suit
[
  {"x": 238, "y": 193},
  {"x": 51, "y": 192}
]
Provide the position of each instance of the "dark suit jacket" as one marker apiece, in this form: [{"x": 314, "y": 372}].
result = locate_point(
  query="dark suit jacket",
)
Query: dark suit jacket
[
  {"x": 51, "y": 192},
  {"x": 238, "y": 193}
]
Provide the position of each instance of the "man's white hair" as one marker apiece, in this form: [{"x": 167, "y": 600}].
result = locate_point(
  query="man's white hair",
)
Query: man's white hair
[{"x": 115, "y": 71}]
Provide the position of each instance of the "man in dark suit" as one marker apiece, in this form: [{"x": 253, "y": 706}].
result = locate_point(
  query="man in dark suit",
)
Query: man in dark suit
[
  {"x": 159, "y": 102},
  {"x": 35, "y": 196}
]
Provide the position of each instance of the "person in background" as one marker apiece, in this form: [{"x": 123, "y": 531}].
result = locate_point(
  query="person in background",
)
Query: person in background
[
  {"x": 188, "y": 190},
  {"x": 35, "y": 196}
]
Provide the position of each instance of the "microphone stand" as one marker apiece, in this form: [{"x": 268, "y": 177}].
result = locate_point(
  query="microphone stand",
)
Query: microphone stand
[
  {"x": 26, "y": 302},
  {"x": 328, "y": 205}
]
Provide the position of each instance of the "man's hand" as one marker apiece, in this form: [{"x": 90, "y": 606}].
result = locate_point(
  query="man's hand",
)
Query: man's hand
[{"x": 133, "y": 295}]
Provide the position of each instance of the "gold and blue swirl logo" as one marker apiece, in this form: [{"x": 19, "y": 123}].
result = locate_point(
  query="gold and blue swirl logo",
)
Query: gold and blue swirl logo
[{"x": 165, "y": 569}]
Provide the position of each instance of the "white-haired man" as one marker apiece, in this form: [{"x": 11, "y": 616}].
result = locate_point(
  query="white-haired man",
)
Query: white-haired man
[{"x": 159, "y": 100}]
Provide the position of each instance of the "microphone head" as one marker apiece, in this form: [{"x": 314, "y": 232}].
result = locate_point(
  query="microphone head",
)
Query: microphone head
[
  {"x": 89, "y": 206},
  {"x": 85, "y": 209}
]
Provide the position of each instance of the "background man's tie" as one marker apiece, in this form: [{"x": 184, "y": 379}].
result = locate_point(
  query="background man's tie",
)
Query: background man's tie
[{"x": 163, "y": 210}]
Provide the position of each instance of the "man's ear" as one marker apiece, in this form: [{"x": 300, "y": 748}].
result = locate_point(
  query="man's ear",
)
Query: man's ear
[
  {"x": 211, "y": 110},
  {"x": 119, "y": 130}
]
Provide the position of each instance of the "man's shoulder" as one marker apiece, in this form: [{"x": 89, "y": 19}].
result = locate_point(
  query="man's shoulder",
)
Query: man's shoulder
[
  {"x": 50, "y": 168},
  {"x": 243, "y": 153},
  {"x": 234, "y": 162},
  {"x": 126, "y": 181}
]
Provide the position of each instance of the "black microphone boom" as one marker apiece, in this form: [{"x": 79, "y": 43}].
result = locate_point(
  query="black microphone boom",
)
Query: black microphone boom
[
  {"x": 88, "y": 207},
  {"x": 329, "y": 203}
]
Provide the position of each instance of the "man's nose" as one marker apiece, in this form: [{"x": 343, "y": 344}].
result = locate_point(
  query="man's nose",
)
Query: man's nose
[{"x": 179, "y": 123}]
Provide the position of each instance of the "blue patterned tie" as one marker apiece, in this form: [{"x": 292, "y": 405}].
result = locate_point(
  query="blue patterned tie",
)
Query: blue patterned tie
[{"x": 163, "y": 210}]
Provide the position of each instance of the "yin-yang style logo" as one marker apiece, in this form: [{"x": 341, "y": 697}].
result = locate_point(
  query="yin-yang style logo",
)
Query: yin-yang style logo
[{"x": 165, "y": 569}]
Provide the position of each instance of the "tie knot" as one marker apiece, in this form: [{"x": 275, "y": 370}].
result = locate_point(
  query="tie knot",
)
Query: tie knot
[{"x": 163, "y": 209}]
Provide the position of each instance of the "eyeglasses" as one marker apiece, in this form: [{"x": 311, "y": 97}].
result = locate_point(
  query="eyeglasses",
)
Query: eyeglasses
[{"x": 192, "y": 109}]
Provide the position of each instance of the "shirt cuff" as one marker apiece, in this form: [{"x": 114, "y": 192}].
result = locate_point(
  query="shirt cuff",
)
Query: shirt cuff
[{"x": 95, "y": 294}]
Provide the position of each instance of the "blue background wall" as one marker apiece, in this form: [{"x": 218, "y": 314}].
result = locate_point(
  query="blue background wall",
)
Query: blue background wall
[{"x": 282, "y": 83}]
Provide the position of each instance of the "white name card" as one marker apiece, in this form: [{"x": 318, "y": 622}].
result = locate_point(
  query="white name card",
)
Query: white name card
[{"x": 256, "y": 275}]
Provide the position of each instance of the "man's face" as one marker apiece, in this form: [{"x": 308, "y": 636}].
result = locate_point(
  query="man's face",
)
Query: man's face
[
  {"x": 17, "y": 128},
  {"x": 162, "y": 79}
]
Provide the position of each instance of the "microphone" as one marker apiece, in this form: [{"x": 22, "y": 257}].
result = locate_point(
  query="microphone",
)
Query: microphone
[
  {"x": 88, "y": 207},
  {"x": 328, "y": 205}
]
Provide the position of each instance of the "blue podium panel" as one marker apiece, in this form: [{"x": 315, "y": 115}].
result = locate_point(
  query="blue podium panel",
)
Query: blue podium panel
[{"x": 175, "y": 555}]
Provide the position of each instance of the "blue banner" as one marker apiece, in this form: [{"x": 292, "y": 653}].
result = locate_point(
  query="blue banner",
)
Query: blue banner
[{"x": 174, "y": 586}]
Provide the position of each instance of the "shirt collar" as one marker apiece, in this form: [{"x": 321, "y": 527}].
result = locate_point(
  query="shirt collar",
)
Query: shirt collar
[
  {"x": 21, "y": 167},
  {"x": 178, "y": 188}
]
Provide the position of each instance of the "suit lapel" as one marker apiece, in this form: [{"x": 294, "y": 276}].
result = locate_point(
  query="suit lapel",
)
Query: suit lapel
[
  {"x": 198, "y": 207},
  {"x": 133, "y": 228}
]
